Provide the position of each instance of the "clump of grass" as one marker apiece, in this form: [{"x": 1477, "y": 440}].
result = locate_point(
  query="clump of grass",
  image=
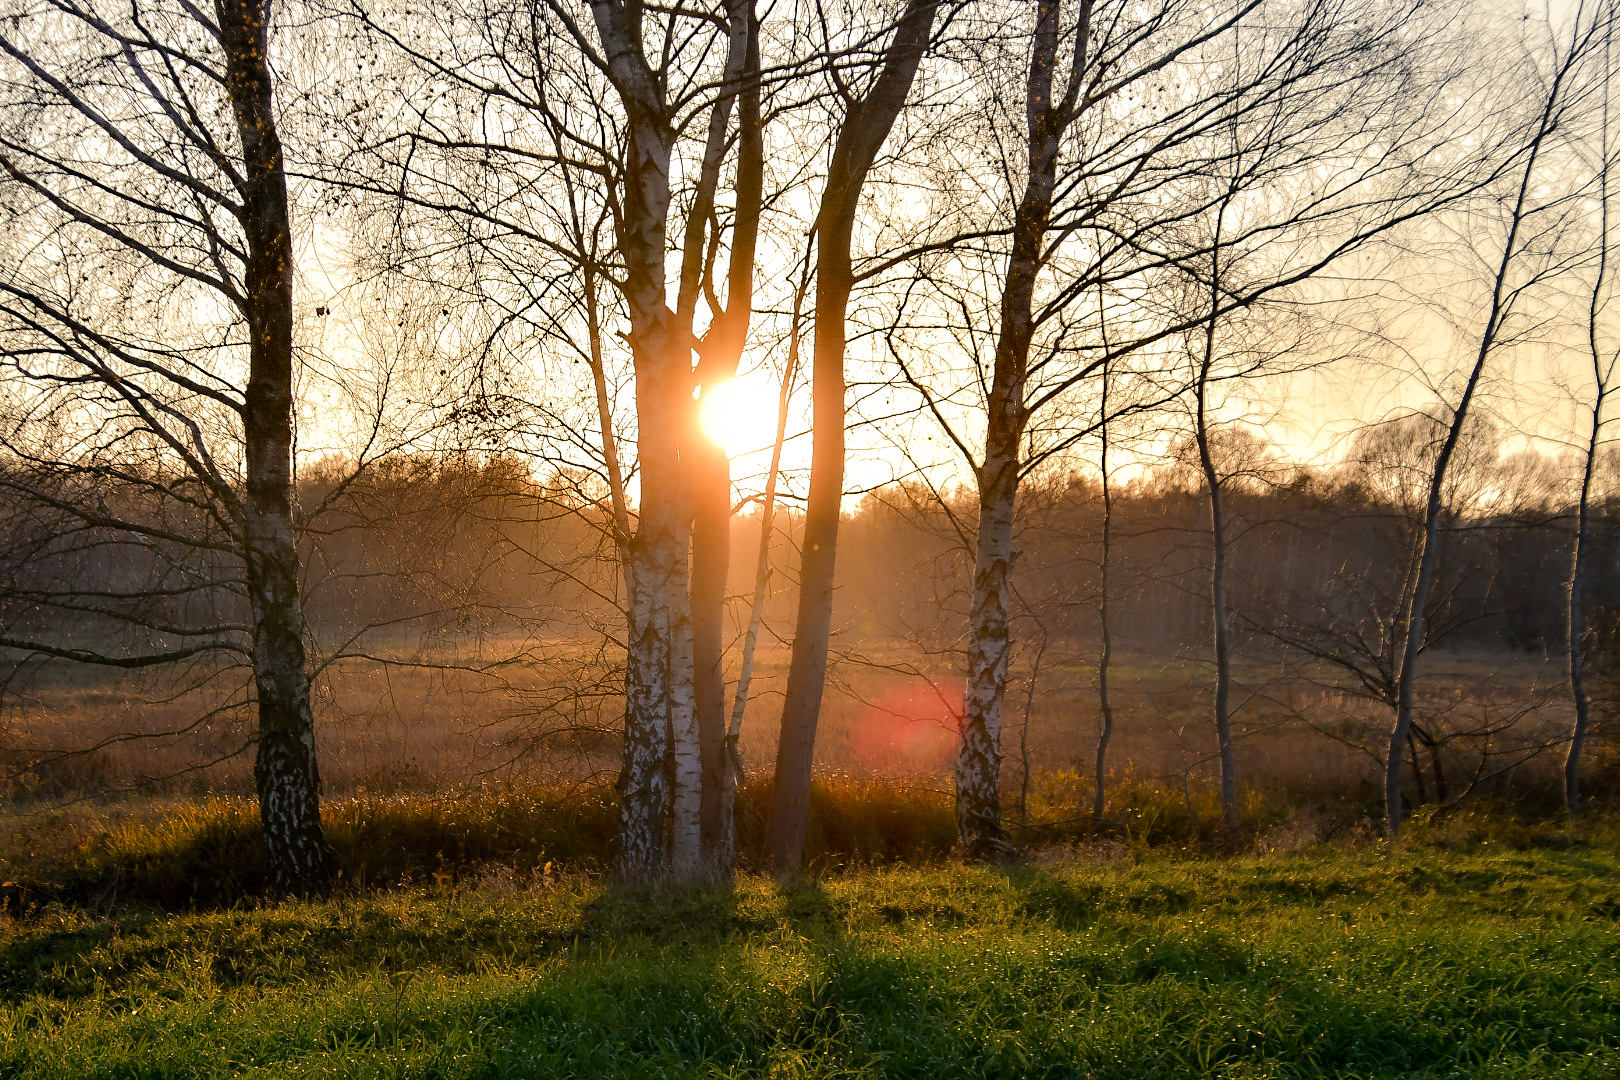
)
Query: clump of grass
[
  {"x": 1144, "y": 813},
  {"x": 857, "y": 821},
  {"x": 209, "y": 853}
]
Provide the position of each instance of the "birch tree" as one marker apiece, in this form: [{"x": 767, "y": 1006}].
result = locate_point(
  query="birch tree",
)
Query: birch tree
[
  {"x": 1095, "y": 198},
  {"x": 1603, "y": 355},
  {"x": 147, "y": 327},
  {"x": 573, "y": 159},
  {"x": 1534, "y": 219}
]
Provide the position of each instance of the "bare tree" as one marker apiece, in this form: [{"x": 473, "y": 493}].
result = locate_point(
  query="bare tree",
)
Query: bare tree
[
  {"x": 1603, "y": 356},
  {"x": 1107, "y": 214},
  {"x": 720, "y": 351},
  {"x": 147, "y": 298},
  {"x": 1530, "y": 254},
  {"x": 573, "y": 159},
  {"x": 1105, "y": 656},
  {"x": 867, "y": 115},
  {"x": 1346, "y": 617}
]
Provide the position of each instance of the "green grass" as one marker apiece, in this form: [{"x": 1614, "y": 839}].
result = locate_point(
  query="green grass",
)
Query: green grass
[{"x": 1381, "y": 962}]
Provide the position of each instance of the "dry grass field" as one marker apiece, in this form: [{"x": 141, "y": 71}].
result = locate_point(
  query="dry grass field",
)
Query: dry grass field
[
  {"x": 452, "y": 768},
  {"x": 443, "y": 719}
]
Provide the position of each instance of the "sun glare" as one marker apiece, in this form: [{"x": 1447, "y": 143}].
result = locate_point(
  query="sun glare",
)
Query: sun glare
[{"x": 740, "y": 414}]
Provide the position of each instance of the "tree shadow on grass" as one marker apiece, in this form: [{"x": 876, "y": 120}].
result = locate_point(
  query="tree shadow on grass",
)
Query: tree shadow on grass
[{"x": 810, "y": 979}]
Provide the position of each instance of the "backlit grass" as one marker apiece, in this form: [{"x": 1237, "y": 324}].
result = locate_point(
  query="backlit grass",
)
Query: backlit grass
[
  {"x": 209, "y": 852},
  {"x": 1382, "y": 962}
]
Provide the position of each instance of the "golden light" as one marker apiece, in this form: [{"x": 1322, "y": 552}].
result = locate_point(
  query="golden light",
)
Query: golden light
[{"x": 739, "y": 414}]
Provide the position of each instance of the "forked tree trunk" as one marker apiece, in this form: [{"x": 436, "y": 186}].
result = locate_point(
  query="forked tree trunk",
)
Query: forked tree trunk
[
  {"x": 1417, "y": 768},
  {"x": 666, "y": 720},
  {"x": 285, "y": 771},
  {"x": 863, "y": 132},
  {"x": 1411, "y": 627},
  {"x": 658, "y": 662},
  {"x": 1587, "y": 36}
]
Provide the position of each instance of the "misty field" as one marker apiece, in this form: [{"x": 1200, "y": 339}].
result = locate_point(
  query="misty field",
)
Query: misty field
[
  {"x": 1372, "y": 963},
  {"x": 446, "y": 717}
]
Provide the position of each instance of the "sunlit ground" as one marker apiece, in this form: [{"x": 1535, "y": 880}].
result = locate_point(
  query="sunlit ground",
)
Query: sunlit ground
[{"x": 1374, "y": 963}]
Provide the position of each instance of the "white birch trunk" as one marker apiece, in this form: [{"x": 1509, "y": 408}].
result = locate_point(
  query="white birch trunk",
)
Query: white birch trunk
[
  {"x": 978, "y": 759},
  {"x": 285, "y": 771}
]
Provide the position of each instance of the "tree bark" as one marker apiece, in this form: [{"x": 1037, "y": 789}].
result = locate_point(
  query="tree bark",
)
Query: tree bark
[
  {"x": 978, "y": 761},
  {"x": 812, "y": 630},
  {"x": 643, "y": 786},
  {"x": 710, "y": 475},
  {"x": 658, "y": 665},
  {"x": 978, "y": 758},
  {"x": 285, "y": 770},
  {"x": 862, "y": 133}
]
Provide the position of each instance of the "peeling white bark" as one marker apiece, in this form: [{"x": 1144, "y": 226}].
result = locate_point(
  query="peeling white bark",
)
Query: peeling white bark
[{"x": 978, "y": 759}]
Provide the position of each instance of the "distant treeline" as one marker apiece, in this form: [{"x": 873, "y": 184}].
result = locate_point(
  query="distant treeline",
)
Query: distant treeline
[
  {"x": 430, "y": 549},
  {"x": 1317, "y": 555}
]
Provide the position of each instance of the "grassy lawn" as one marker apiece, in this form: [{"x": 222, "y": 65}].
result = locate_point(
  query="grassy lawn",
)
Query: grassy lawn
[{"x": 1403, "y": 962}]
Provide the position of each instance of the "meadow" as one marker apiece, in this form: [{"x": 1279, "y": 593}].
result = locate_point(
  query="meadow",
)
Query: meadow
[
  {"x": 473, "y": 933},
  {"x": 444, "y": 769},
  {"x": 1339, "y": 962}
]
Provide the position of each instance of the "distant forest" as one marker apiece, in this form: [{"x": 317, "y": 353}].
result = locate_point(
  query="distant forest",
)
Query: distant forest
[{"x": 436, "y": 550}]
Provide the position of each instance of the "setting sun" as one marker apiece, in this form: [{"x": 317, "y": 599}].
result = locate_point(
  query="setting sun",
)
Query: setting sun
[{"x": 740, "y": 414}]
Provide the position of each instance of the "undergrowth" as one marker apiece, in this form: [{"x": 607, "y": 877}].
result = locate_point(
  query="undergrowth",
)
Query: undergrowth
[
  {"x": 190, "y": 855},
  {"x": 208, "y": 853}
]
